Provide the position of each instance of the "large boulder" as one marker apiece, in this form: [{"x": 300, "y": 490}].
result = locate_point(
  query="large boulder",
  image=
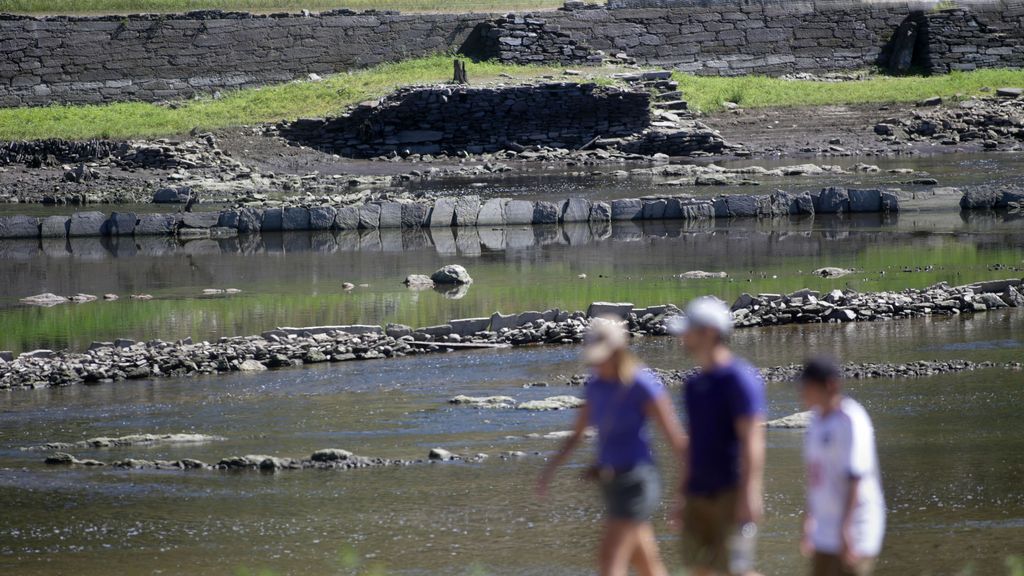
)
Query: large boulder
[
  {"x": 121, "y": 224},
  {"x": 451, "y": 274},
  {"x": 980, "y": 199},
  {"x": 55, "y": 226},
  {"x": 627, "y": 209},
  {"x": 295, "y": 218},
  {"x": 369, "y": 216},
  {"x": 19, "y": 227},
  {"x": 614, "y": 309},
  {"x": 87, "y": 224},
  {"x": 467, "y": 210},
  {"x": 390, "y": 215},
  {"x": 492, "y": 212},
  {"x": 832, "y": 200},
  {"x": 742, "y": 205},
  {"x": 347, "y": 218},
  {"x": 653, "y": 209},
  {"x": 442, "y": 215},
  {"x": 545, "y": 213},
  {"x": 200, "y": 220},
  {"x": 576, "y": 210},
  {"x": 156, "y": 224},
  {"x": 519, "y": 212},
  {"x": 322, "y": 217},
  {"x": 273, "y": 220},
  {"x": 600, "y": 212},
  {"x": 414, "y": 214},
  {"x": 869, "y": 201},
  {"x": 172, "y": 195}
]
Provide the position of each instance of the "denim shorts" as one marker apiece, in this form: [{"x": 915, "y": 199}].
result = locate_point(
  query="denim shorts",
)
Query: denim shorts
[{"x": 632, "y": 495}]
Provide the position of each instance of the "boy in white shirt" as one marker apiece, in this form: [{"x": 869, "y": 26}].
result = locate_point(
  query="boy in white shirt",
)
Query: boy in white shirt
[{"x": 845, "y": 519}]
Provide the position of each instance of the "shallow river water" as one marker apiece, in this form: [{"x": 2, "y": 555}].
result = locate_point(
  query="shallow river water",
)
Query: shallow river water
[
  {"x": 951, "y": 450},
  {"x": 951, "y": 446}
]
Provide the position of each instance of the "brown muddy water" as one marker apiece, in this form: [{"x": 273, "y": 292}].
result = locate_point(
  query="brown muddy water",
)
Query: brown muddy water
[{"x": 951, "y": 447}]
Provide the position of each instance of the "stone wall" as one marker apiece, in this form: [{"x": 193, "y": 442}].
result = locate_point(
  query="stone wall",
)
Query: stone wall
[
  {"x": 160, "y": 57},
  {"x": 527, "y": 39},
  {"x": 448, "y": 212},
  {"x": 453, "y": 119},
  {"x": 150, "y": 57}
]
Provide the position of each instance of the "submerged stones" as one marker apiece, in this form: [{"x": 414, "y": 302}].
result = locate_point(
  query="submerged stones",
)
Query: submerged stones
[{"x": 563, "y": 402}]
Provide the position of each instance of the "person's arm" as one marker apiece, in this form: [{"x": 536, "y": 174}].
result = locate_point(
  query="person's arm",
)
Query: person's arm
[
  {"x": 571, "y": 443},
  {"x": 750, "y": 431}
]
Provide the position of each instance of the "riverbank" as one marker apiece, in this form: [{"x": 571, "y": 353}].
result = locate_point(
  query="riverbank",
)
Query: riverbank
[{"x": 127, "y": 359}]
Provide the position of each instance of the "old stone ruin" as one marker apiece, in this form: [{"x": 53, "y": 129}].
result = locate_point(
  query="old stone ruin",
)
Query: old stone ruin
[{"x": 457, "y": 120}]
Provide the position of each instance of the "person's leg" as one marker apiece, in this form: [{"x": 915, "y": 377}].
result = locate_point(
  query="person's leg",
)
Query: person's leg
[
  {"x": 617, "y": 546},
  {"x": 646, "y": 556}
]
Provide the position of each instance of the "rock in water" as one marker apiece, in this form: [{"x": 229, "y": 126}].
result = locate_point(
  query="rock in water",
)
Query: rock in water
[
  {"x": 418, "y": 281},
  {"x": 330, "y": 455},
  {"x": 484, "y": 401},
  {"x": 451, "y": 274},
  {"x": 832, "y": 272},
  {"x": 440, "y": 455},
  {"x": 701, "y": 275},
  {"x": 46, "y": 299},
  {"x": 552, "y": 403},
  {"x": 793, "y": 421},
  {"x": 252, "y": 366}
]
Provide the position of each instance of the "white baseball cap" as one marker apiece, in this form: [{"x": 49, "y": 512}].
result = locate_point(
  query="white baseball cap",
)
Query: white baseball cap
[
  {"x": 606, "y": 337},
  {"x": 704, "y": 312}
]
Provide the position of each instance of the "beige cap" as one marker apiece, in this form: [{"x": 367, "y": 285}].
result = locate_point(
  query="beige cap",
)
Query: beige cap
[{"x": 606, "y": 337}]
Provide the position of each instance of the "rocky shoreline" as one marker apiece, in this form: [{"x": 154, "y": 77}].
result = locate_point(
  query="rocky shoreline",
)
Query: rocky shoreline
[{"x": 129, "y": 360}]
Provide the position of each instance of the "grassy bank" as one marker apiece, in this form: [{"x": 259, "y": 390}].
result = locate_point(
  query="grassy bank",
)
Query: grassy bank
[
  {"x": 250, "y": 106},
  {"x": 334, "y": 93},
  {"x": 52, "y": 7},
  {"x": 709, "y": 93}
]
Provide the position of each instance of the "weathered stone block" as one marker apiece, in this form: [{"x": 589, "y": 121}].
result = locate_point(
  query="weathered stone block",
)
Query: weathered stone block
[
  {"x": 492, "y": 212},
  {"x": 156, "y": 224},
  {"x": 627, "y": 209},
  {"x": 121, "y": 224},
  {"x": 322, "y": 217},
  {"x": 865, "y": 200},
  {"x": 55, "y": 226},
  {"x": 545, "y": 213},
  {"x": 469, "y": 326},
  {"x": 600, "y": 212},
  {"x": 832, "y": 200},
  {"x": 443, "y": 213},
  {"x": 600, "y": 309},
  {"x": 202, "y": 220},
  {"x": 576, "y": 210},
  {"x": 519, "y": 212},
  {"x": 414, "y": 214},
  {"x": 347, "y": 218},
  {"x": 273, "y": 220},
  {"x": 369, "y": 216},
  {"x": 467, "y": 210},
  {"x": 390, "y": 215},
  {"x": 19, "y": 227},
  {"x": 87, "y": 224}
]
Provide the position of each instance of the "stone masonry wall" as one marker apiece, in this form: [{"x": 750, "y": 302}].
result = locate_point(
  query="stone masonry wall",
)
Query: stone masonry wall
[
  {"x": 150, "y": 57},
  {"x": 452, "y": 119}
]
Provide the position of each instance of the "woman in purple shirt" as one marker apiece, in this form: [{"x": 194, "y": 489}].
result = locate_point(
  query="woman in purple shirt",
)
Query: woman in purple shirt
[{"x": 621, "y": 396}]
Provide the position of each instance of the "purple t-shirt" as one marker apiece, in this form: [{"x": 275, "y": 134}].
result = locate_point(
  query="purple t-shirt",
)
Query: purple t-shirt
[
  {"x": 620, "y": 415},
  {"x": 714, "y": 400}
]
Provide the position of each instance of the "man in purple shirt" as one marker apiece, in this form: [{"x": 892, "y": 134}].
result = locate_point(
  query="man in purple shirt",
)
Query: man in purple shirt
[{"x": 721, "y": 496}]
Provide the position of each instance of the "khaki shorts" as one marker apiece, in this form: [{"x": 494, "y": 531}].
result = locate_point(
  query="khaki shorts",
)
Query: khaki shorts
[
  {"x": 832, "y": 565},
  {"x": 708, "y": 522}
]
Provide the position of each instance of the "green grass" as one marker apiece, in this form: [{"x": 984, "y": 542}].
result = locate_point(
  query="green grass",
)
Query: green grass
[
  {"x": 248, "y": 106},
  {"x": 708, "y": 93},
  {"x": 51, "y": 7},
  {"x": 334, "y": 93}
]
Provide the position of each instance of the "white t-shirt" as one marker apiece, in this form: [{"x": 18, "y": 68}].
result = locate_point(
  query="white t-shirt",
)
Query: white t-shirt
[{"x": 837, "y": 447}]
